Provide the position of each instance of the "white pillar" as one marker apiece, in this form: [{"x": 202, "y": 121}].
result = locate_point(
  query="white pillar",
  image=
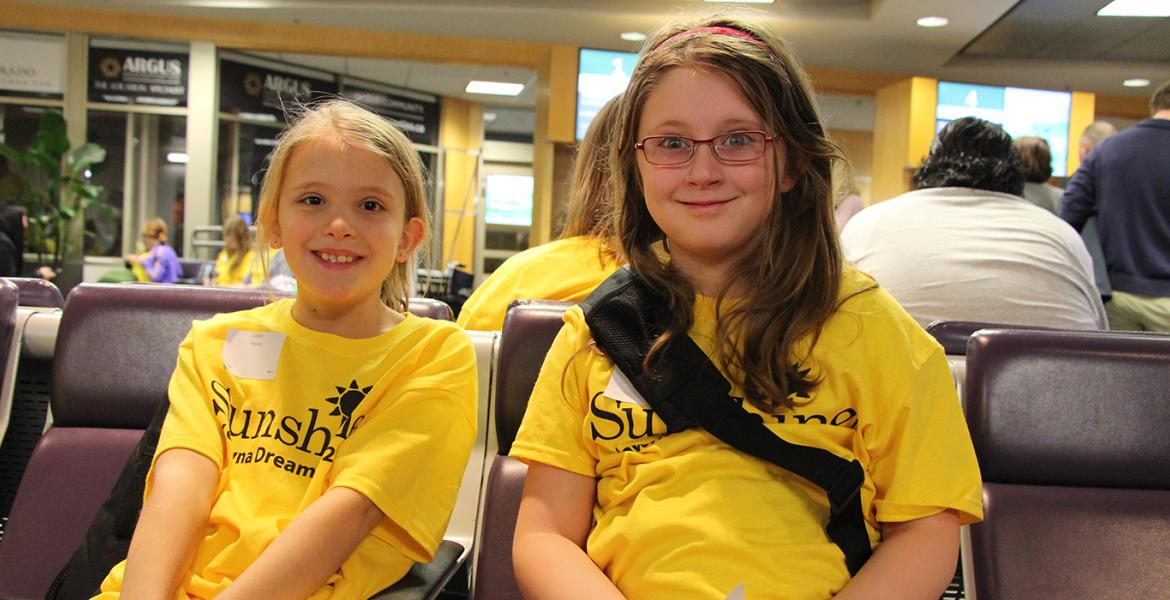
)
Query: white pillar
[{"x": 202, "y": 133}]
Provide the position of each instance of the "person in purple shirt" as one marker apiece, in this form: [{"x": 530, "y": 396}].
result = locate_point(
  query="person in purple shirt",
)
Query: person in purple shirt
[{"x": 160, "y": 261}]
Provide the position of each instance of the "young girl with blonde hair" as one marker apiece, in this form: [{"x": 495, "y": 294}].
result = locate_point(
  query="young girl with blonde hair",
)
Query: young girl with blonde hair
[
  {"x": 722, "y": 182},
  {"x": 314, "y": 446}
]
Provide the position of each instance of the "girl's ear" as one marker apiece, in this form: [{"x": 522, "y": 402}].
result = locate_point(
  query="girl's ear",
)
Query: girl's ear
[
  {"x": 787, "y": 182},
  {"x": 412, "y": 235},
  {"x": 274, "y": 240}
]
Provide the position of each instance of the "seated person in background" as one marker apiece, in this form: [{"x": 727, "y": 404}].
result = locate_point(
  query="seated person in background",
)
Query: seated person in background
[
  {"x": 13, "y": 223},
  {"x": 160, "y": 262},
  {"x": 1036, "y": 159},
  {"x": 964, "y": 246},
  {"x": 233, "y": 265},
  {"x": 570, "y": 267}
]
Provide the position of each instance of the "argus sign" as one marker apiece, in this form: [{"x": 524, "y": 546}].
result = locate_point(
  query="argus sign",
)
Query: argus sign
[
  {"x": 137, "y": 77},
  {"x": 265, "y": 94}
]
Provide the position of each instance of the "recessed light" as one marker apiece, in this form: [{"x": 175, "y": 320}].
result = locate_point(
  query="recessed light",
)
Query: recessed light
[
  {"x": 490, "y": 116},
  {"x": 1136, "y": 8},
  {"x": 933, "y": 22},
  {"x": 495, "y": 88},
  {"x": 634, "y": 36},
  {"x": 1136, "y": 82},
  {"x": 177, "y": 157},
  {"x": 745, "y": 1}
]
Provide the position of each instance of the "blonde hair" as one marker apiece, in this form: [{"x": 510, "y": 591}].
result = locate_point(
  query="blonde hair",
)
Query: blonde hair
[
  {"x": 351, "y": 124},
  {"x": 155, "y": 229},
  {"x": 590, "y": 201},
  {"x": 236, "y": 230},
  {"x": 793, "y": 274}
]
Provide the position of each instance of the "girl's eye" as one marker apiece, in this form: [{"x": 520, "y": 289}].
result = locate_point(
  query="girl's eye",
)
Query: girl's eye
[
  {"x": 672, "y": 143},
  {"x": 371, "y": 205},
  {"x": 313, "y": 200}
]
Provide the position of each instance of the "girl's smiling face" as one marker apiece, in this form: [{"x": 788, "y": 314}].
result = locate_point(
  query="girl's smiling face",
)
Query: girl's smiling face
[
  {"x": 709, "y": 210},
  {"x": 341, "y": 221}
]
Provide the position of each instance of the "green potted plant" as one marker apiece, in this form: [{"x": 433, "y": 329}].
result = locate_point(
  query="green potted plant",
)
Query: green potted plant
[{"x": 53, "y": 187}]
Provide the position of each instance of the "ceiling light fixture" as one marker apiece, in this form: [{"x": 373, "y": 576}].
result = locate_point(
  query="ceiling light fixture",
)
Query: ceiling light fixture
[
  {"x": 1136, "y": 82},
  {"x": 490, "y": 116},
  {"x": 1136, "y": 8},
  {"x": 177, "y": 157},
  {"x": 495, "y": 88},
  {"x": 746, "y": 1},
  {"x": 933, "y": 22},
  {"x": 633, "y": 36}
]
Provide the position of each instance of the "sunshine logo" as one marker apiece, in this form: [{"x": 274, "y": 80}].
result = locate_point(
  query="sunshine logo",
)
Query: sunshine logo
[{"x": 347, "y": 401}]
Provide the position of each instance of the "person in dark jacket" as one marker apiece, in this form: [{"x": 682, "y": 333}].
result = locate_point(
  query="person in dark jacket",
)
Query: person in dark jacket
[
  {"x": 12, "y": 224},
  {"x": 1125, "y": 182}
]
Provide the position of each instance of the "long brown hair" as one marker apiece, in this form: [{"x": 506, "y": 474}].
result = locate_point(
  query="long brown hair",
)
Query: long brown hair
[
  {"x": 360, "y": 128},
  {"x": 794, "y": 270},
  {"x": 589, "y": 200},
  {"x": 236, "y": 230}
]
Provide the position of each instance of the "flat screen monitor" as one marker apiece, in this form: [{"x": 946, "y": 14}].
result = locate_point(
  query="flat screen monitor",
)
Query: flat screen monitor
[
  {"x": 601, "y": 75},
  {"x": 1020, "y": 111},
  {"x": 508, "y": 200}
]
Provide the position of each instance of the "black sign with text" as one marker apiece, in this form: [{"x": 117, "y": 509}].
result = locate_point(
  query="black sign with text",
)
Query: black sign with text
[
  {"x": 418, "y": 119},
  {"x": 250, "y": 90},
  {"x": 137, "y": 77}
]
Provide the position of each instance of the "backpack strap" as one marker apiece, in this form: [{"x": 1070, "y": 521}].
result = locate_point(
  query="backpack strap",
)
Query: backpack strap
[{"x": 625, "y": 316}]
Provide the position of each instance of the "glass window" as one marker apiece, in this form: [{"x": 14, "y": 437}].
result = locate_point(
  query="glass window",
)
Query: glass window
[
  {"x": 144, "y": 175},
  {"x": 18, "y": 125},
  {"x": 243, "y": 149}
]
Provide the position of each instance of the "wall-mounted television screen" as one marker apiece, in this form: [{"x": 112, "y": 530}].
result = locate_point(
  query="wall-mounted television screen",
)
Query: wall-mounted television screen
[
  {"x": 508, "y": 200},
  {"x": 1019, "y": 111},
  {"x": 601, "y": 75}
]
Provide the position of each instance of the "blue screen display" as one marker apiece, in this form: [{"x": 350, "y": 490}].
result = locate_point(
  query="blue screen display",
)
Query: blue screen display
[
  {"x": 601, "y": 75},
  {"x": 1021, "y": 112}
]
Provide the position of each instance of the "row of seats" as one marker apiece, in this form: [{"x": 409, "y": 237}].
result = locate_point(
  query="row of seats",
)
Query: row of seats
[{"x": 1069, "y": 428}]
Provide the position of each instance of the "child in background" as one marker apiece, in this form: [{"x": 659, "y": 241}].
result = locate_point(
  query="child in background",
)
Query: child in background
[
  {"x": 314, "y": 446},
  {"x": 721, "y": 174},
  {"x": 233, "y": 265},
  {"x": 159, "y": 262},
  {"x": 570, "y": 267}
]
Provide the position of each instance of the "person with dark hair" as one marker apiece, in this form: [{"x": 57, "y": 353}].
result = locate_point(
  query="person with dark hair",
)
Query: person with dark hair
[
  {"x": 1036, "y": 159},
  {"x": 1125, "y": 183},
  {"x": 12, "y": 224},
  {"x": 964, "y": 246}
]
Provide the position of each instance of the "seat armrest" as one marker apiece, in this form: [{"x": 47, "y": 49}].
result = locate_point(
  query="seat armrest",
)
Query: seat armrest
[{"x": 424, "y": 581}]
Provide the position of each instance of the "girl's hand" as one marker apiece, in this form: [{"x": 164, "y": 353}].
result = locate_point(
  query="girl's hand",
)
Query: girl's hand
[{"x": 548, "y": 550}]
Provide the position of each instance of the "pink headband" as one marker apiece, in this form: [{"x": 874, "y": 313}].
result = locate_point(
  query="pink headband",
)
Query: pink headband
[{"x": 739, "y": 33}]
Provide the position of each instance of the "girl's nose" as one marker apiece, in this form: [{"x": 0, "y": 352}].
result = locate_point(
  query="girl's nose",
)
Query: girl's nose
[
  {"x": 705, "y": 168},
  {"x": 338, "y": 227}
]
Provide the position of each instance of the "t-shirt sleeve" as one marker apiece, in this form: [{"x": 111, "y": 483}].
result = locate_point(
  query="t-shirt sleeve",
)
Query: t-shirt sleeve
[
  {"x": 191, "y": 422},
  {"x": 923, "y": 459},
  {"x": 409, "y": 453},
  {"x": 551, "y": 432}
]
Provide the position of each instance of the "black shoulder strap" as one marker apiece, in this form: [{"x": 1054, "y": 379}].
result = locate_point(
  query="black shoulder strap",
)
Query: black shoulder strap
[{"x": 625, "y": 316}]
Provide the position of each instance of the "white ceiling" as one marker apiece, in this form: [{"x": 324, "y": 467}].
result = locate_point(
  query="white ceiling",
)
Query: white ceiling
[{"x": 870, "y": 35}]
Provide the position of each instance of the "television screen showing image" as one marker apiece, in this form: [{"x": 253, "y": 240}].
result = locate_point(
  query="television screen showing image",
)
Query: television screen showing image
[
  {"x": 1019, "y": 111},
  {"x": 601, "y": 75},
  {"x": 508, "y": 200}
]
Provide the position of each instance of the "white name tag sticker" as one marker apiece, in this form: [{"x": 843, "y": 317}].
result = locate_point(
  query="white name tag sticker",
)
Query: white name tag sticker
[
  {"x": 621, "y": 389},
  {"x": 252, "y": 354},
  {"x": 738, "y": 593}
]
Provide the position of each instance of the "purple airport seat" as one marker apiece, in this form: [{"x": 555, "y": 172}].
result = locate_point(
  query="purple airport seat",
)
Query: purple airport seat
[
  {"x": 1070, "y": 430},
  {"x": 38, "y": 292},
  {"x": 430, "y": 308},
  {"x": 528, "y": 332},
  {"x": 116, "y": 349},
  {"x": 953, "y": 335}
]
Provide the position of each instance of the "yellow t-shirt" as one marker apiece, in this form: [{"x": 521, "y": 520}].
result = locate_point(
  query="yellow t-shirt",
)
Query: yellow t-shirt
[
  {"x": 392, "y": 417},
  {"x": 685, "y": 516},
  {"x": 566, "y": 269},
  {"x": 227, "y": 276}
]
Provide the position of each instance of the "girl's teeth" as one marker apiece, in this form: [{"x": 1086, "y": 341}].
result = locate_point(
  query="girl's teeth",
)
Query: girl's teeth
[{"x": 336, "y": 259}]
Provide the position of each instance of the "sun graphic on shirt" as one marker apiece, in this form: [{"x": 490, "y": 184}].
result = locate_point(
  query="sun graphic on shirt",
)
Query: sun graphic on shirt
[
  {"x": 347, "y": 400},
  {"x": 803, "y": 387}
]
